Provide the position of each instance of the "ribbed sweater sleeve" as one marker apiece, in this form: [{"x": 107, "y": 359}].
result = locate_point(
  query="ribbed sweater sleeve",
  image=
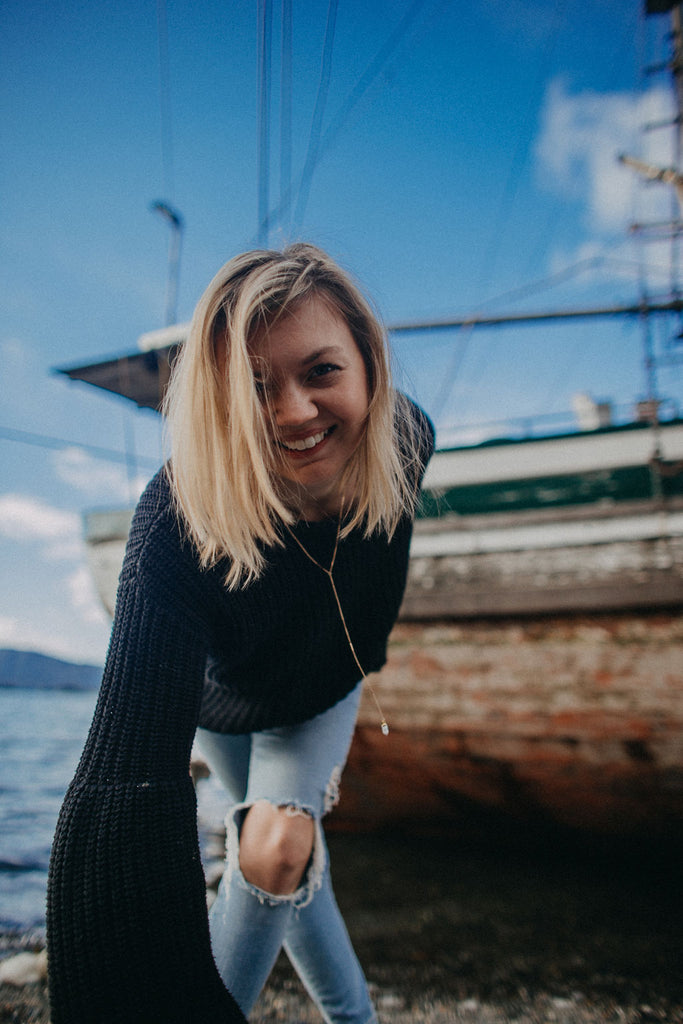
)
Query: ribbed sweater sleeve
[{"x": 128, "y": 936}]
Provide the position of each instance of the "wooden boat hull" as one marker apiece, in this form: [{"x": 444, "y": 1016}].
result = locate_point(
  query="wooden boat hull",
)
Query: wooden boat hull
[
  {"x": 562, "y": 560},
  {"x": 571, "y": 721}
]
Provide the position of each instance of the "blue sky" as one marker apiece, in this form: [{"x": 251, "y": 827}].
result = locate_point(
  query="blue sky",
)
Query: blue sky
[{"x": 467, "y": 163}]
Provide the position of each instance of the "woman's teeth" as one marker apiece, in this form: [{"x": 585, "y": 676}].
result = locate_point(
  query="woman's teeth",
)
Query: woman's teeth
[{"x": 306, "y": 442}]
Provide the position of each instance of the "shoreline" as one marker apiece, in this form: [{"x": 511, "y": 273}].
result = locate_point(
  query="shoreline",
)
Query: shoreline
[{"x": 485, "y": 932}]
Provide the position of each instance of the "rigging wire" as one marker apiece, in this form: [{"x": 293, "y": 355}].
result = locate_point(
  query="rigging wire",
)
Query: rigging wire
[
  {"x": 631, "y": 27},
  {"x": 367, "y": 78},
  {"x": 165, "y": 100},
  {"x": 512, "y": 181},
  {"x": 559, "y": 277},
  {"x": 59, "y": 444},
  {"x": 455, "y": 363},
  {"x": 286, "y": 112},
  {"x": 520, "y": 154},
  {"x": 513, "y": 294},
  {"x": 451, "y": 373},
  {"x": 649, "y": 354},
  {"x": 548, "y": 228},
  {"x": 318, "y": 114},
  {"x": 677, "y": 146},
  {"x": 263, "y": 145}
]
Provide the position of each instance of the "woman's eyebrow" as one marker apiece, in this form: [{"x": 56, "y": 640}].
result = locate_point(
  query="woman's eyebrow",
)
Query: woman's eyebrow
[{"x": 322, "y": 353}]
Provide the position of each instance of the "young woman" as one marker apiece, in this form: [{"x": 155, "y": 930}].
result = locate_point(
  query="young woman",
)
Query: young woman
[{"x": 264, "y": 571}]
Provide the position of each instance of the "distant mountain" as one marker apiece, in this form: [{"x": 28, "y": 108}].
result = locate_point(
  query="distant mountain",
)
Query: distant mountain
[{"x": 29, "y": 670}]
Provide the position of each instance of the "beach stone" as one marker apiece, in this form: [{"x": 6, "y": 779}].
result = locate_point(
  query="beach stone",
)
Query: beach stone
[{"x": 24, "y": 969}]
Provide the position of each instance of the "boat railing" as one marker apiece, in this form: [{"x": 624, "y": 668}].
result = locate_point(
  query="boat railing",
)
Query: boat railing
[{"x": 529, "y": 427}]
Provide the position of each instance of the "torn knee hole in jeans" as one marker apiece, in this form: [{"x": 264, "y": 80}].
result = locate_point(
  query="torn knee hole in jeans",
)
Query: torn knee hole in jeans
[
  {"x": 332, "y": 792},
  {"x": 292, "y": 811},
  {"x": 313, "y": 875}
]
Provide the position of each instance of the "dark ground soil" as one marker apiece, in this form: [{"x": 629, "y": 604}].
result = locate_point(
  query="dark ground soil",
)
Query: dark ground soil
[{"x": 548, "y": 931}]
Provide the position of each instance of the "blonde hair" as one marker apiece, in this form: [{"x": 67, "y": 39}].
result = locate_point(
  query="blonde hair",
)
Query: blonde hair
[{"x": 223, "y": 469}]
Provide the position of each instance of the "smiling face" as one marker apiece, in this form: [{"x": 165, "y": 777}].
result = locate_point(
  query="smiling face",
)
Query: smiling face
[{"x": 312, "y": 376}]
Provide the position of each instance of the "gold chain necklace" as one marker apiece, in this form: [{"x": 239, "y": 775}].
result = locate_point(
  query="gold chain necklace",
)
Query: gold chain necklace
[{"x": 328, "y": 573}]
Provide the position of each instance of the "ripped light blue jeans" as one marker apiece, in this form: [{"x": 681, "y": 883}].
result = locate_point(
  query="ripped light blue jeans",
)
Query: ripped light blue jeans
[{"x": 298, "y": 767}]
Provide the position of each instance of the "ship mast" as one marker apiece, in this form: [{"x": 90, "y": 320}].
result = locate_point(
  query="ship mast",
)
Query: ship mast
[
  {"x": 671, "y": 176},
  {"x": 150, "y": 370}
]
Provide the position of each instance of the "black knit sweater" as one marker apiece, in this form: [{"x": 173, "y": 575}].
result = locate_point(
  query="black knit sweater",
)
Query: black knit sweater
[{"x": 128, "y": 937}]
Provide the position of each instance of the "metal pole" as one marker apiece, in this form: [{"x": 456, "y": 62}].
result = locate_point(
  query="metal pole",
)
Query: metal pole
[{"x": 176, "y": 222}]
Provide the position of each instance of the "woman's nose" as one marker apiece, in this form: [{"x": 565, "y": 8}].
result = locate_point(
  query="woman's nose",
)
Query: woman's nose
[{"x": 294, "y": 405}]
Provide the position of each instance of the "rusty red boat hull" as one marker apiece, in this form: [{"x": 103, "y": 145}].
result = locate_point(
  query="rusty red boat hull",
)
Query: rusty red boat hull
[{"x": 570, "y": 721}]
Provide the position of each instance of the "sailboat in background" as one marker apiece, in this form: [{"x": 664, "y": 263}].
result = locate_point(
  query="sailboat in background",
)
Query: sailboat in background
[{"x": 527, "y": 675}]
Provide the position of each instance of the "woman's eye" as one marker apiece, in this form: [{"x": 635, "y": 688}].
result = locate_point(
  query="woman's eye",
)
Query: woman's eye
[{"x": 323, "y": 370}]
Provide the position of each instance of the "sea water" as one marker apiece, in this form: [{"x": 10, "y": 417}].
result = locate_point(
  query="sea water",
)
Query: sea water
[{"x": 42, "y": 733}]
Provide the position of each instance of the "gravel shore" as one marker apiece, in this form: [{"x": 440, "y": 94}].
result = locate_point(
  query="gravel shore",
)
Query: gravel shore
[{"x": 487, "y": 933}]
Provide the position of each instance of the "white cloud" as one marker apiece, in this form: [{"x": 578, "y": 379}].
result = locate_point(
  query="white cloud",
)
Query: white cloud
[
  {"x": 599, "y": 262},
  {"x": 580, "y": 139},
  {"x": 53, "y": 610},
  {"x": 84, "y": 598},
  {"x": 106, "y": 481},
  {"x": 24, "y": 636},
  {"x": 20, "y": 635},
  {"x": 24, "y": 518},
  {"x": 56, "y": 611},
  {"x": 9, "y": 630},
  {"x": 13, "y": 352}
]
